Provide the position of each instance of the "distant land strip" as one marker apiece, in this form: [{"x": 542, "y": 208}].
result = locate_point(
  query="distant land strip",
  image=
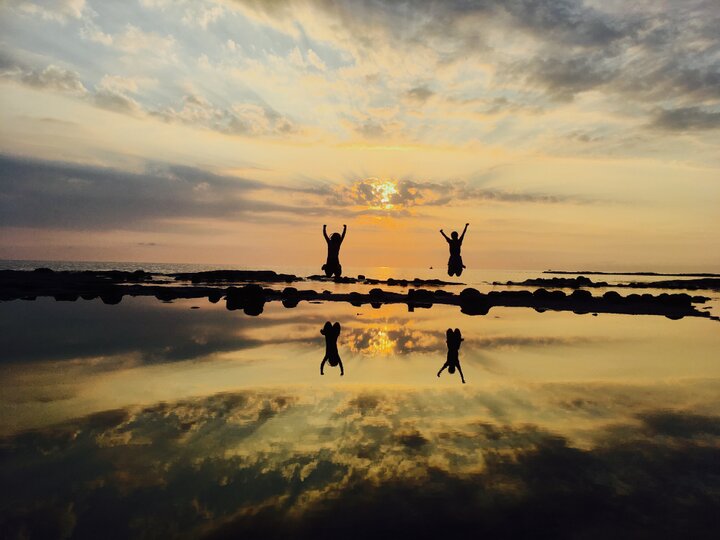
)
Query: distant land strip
[
  {"x": 599, "y": 273},
  {"x": 111, "y": 286}
]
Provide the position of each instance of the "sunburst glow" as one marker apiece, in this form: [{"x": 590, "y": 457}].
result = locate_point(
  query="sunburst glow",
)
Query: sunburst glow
[{"x": 383, "y": 191}]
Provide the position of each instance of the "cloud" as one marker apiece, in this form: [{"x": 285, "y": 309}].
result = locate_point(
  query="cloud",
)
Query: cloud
[
  {"x": 686, "y": 119},
  {"x": 563, "y": 78},
  {"x": 134, "y": 41},
  {"x": 56, "y": 10},
  {"x": 52, "y": 78},
  {"x": 118, "y": 94},
  {"x": 680, "y": 424},
  {"x": 115, "y": 101},
  {"x": 419, "y": 93},
  {"x": 247, "y": 119},
  {"x": 57, "y": 194},
  {"x": 371, "y": 129},
  {"x": 380, "y": 194},
  {"x": 649, "y": 53}
]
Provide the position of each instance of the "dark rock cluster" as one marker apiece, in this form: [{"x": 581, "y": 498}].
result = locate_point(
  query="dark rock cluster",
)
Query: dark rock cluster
[{"x": 110, "y": 287}]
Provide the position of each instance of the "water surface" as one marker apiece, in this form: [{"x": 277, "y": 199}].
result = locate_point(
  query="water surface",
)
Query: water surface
[{"x": 150, "y": 419}]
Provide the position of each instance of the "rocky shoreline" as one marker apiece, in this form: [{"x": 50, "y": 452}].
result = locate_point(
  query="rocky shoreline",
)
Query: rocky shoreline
[{"x": 111, "y": 286}]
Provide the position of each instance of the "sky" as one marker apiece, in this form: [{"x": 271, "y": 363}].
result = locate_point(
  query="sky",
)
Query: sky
[{"x": 569, "y": 134}]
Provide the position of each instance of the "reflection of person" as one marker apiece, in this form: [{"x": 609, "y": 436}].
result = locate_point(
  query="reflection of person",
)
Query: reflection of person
[
  {"x": 454, "y": 339},
  {"x": 332, "y": 266},
  {"x": 331, "y": 333},
  {"x": 455, "y": 263}
]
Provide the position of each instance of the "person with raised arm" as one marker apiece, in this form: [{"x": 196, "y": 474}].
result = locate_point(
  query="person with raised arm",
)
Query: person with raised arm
[
  {"x": 331, "y": 333},
  {"x": 454, "y": 339},
  {"x": 455, "y": 262},
  {"x": 332, "y": 265}
]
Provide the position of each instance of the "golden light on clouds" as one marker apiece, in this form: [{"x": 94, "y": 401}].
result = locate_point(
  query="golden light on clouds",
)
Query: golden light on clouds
[
  {"x": 383, "y": 191},
  {"x": 372, "y": 341}
]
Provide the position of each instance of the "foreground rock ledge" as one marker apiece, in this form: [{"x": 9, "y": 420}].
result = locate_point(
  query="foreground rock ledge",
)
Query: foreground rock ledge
[{"x": 111, "y": 287}]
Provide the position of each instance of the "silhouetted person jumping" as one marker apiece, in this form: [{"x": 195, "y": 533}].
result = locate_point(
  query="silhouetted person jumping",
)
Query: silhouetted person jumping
[
  {"x": 332, "y": 266},
  {"x": 454, "y": 339},
  {"x": 455, "y": 263},
  {"x": 331, "y": 333}
]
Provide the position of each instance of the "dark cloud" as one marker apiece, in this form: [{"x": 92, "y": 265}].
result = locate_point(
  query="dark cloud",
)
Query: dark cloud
[
  {"x": 563, "y": 21},
  {"x": 686, "y": 119},
  {"x": 420, "y": 93},
  {"x": 371, "y": 129},
  {"x": 64, "y": 195},
  {"x": 563, "y": 78},
  {"x": 651, "y": 52},
  {"x": 680, "y": 424}
]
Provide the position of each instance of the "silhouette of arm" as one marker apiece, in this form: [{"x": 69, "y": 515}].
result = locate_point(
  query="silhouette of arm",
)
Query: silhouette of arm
[
  {"x": 461, "y": 375},
  {"x": 464, "y": 231},
  {"x": 327, "y": 238},
  {"x": 342, "y": 371},
  {"x": 444, "y": 235},
  {"x": 445, "y": 365},
  {"x": 322, "y": 365},
  {"x": 343, "y": 234}
]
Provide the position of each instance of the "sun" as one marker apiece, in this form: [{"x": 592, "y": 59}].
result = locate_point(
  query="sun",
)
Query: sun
[{"x": 383, "y": 190}]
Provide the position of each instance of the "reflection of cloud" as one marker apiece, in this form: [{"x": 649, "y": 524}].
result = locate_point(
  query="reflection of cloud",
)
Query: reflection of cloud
[
  {"x": 260, "y": 464},
  {"x": 513, "y": 342},
  {"x": 386, "y": 340},
  {"x": 145, "y": 331},
  {"x": 396, "y": 338}
]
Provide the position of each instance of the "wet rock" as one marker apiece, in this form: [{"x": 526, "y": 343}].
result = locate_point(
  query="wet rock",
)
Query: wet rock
[
  {"x": 66, "y": 297},
  {"x": 111, "y": 298},
  {"x": 290, "y": 297},
  {"x": 250, "y": 298},
  {"x": 473, "y": 302}
]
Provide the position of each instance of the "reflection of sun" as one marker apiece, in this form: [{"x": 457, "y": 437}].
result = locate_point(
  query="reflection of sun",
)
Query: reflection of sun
[
  {"x": 380, "y": 343},
  {"x": 372, "y": 341},
  {"x": 383, "y": 191}
]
